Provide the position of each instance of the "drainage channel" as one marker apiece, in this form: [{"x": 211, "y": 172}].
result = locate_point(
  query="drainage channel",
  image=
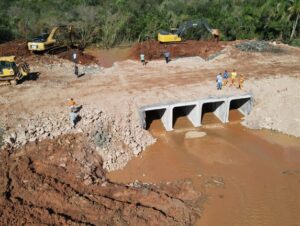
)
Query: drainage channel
[{"x": 198, "y": 112}]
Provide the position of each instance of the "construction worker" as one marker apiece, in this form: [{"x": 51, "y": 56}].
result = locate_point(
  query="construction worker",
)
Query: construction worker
[
  {"x": 73, "y": 119},
  {"x": 167, "y": 56},
  {"x": 241, "y": 81},
  {"x": 142, "y": 57},
  {"x": 225, "y": 77},
  {"x": 219, "y": 81},
  {"x": 233, "y": 77},
  {"x": 76, "y": 71},
  {"x": 71, "y": 103},
  {"x": 73, "y": 111},
  {"x": 74, "y": 57}
]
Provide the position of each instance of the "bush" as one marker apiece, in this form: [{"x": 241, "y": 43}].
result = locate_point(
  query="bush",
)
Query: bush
[{"x": 296, "y": 42}]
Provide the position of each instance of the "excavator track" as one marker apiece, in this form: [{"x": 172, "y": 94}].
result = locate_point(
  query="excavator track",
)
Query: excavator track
[{"x": 5, "y": 83}]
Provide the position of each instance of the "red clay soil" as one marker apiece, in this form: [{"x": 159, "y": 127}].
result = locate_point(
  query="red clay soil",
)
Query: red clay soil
[
  {"x": 19, "y": 48},
  {"x": 16, "y": 48},
  {"x": 82, "y": 58},
  {"x": 155, "y": 50},
  {"x": 61, "y": 182}
]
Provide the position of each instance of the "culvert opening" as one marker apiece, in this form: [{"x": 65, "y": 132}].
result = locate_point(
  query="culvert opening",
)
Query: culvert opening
[
  {"x": 154, "y": 117},
  {"x": 235, "y": 112},
  {"x": 208, "y": 109},
  {"x": 180, "y": 116}
]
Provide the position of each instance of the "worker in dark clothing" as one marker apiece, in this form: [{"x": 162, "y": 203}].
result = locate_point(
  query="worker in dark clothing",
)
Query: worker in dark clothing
[
  {"x": 167, "y": 56},
  {"x": 76, "y": 71}
]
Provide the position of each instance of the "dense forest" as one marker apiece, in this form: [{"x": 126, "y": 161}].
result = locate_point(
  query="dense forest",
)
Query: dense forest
[{"x": 111, "y": 22}]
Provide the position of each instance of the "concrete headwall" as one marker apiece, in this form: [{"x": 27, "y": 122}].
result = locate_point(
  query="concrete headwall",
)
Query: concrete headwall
[{"x": 194, "y": 110}]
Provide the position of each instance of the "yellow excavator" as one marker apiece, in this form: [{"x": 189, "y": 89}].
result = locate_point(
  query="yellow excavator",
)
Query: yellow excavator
[
  {"x": 175, "y": 35},
  {"x": 59, "y": 38},
  {"x": 11, "y": 72}
]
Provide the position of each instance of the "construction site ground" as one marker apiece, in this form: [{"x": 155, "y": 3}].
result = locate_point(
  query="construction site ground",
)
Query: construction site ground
[{"x": 57, "y": 178}]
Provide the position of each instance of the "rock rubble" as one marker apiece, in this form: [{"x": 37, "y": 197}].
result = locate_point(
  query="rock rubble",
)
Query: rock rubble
[{"x": 116, "y": 140}]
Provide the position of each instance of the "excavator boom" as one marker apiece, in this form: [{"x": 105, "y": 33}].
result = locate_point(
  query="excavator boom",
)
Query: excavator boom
[{"x": 58, "y": 37}]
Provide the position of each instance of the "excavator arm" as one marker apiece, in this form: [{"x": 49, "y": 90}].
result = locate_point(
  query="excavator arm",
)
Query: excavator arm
[
  {"x": 59, "y": 36},
  {"x": 193, "y": 24}
]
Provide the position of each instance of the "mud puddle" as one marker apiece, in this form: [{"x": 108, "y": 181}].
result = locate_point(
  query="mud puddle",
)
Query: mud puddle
[
  {"x": 249, "y": 178},
  {"x": 107, "y": 57}
]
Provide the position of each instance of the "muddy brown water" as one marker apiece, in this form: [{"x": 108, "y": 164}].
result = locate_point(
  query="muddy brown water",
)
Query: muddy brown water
[
  {"x": 260, "y": 170},
  {"x": 107, "y": 57}
]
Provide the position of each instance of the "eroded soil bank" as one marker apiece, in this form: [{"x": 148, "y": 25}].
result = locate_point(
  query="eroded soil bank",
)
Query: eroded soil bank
[
  {"x": 251, "y": 177},
  {"x": 61, "y": 182}
]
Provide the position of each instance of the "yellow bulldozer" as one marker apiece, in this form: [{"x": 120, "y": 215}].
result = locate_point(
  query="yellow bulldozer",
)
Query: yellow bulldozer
[
  {"x": 11, "y": 72},
  {"x": 59, "y": 39},
  {"x": 175, "y": 35}
]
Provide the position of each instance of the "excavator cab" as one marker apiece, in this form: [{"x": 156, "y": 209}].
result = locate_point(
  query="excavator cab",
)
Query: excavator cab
[
  {"x": 10, "y": 72},
  {"x": 165, "y": 36}
]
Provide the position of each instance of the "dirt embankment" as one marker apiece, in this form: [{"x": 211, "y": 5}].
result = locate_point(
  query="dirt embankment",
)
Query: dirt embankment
[
  {"x": 19, "y": 48},
  {"x": 62, "y": 182},
  {"x": 82, "y": 58},
  {"x": 16, "y": 48},
  {"x": 155, "y": 50},
  {"x": 152, "y": 50}
]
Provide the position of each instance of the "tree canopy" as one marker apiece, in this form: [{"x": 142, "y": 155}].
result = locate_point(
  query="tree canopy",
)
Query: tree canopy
[{"x": 111, "y": 22}]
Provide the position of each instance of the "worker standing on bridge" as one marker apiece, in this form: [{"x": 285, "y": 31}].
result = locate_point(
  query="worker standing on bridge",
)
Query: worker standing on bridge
[
  {"x": 219, "y": 81},
  {"x": 225, "y": 77},
  {"x": 233, "y": 77}
]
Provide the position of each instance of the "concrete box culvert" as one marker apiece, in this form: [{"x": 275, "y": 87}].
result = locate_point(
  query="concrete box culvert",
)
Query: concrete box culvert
[
  {"x": 189, "y": 110},
  {"x": 195, "y": 110},
  {"x": 149, "y": 114},
  {"x": 216, "y": 106},
  {"x": 241, "y": 103}
]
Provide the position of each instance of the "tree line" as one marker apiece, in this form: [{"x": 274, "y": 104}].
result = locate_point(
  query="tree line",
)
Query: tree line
[{"x": 112, "y": 22}]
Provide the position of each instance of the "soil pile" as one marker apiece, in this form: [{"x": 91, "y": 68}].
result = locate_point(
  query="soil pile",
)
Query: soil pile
[
  {"x": 155, "y": 50},
  {"x": 16, "y": 48},
  {"x": 62, "y": 182},
  {"x": 82, "y": 58},
  {"x": 19, "y": 48}
]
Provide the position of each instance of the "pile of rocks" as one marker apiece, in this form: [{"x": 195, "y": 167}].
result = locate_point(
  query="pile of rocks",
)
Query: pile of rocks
[
  {"x": 56, "y": 65},
  {"x": 257, "y": 46},
  {"x": 117, "y": 141}
]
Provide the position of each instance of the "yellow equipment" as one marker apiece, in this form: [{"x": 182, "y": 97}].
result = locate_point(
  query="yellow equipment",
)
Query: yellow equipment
[
  {"x": 176, "y": 34},
  {"x": 59, "y": 37},
  {"x": 10, "y": 72}
]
